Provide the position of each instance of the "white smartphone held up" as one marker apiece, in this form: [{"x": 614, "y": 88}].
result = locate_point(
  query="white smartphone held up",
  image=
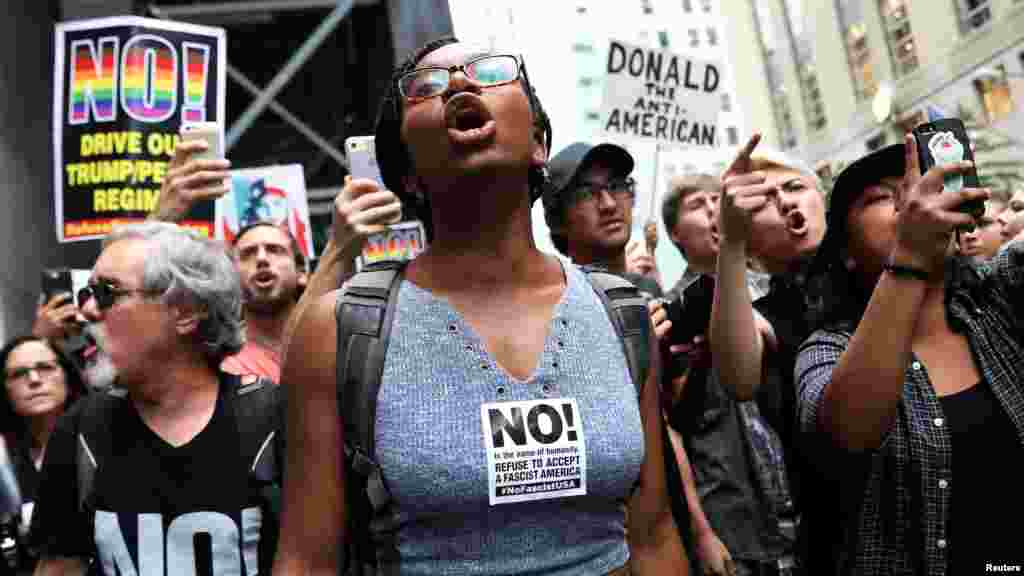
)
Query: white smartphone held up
[
  {"x": 211, "y": 132},
  {"x": 362, "y": 158}
]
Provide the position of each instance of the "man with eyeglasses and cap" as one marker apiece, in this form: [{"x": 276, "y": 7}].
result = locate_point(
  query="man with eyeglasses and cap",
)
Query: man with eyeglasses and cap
[{"x": 589, "y": 208}]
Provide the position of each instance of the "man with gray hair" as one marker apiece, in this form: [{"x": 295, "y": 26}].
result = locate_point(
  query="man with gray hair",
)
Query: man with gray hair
[{"x": 176, "y": 470}]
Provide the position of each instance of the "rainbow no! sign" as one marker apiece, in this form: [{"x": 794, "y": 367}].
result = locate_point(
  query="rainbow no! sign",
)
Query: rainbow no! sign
[{"x": 148, "y": 79}]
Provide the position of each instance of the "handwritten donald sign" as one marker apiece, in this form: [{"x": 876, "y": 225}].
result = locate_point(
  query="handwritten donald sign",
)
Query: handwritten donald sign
[{"x": 122, "y": 89}]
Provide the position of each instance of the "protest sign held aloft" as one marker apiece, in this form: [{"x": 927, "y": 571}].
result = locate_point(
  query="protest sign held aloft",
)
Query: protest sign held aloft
[
  {"x": 123, "y": 87},
  {"x": 660, "y": 96},
  {"x": 269, "y": 194}
]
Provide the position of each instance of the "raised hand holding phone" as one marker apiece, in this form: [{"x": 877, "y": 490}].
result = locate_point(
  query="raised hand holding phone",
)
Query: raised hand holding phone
[
  {"x": 944, "y": 143},
  {"x": 363, "y": 208},
  {"x": 55, "y": 317},
  {"x": 197, "y": 173},
  {"x": 929, "y": 212}
]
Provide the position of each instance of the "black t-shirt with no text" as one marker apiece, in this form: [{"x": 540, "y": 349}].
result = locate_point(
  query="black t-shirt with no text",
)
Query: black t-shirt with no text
[{"x": 156, "y": 509}]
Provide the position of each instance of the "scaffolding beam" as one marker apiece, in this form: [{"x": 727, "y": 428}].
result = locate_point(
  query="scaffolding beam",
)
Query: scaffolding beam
[
  {"x": 249, "y": 86},
  {"x": 323, "y": 30},
  {"x": 303, "y": 128}
]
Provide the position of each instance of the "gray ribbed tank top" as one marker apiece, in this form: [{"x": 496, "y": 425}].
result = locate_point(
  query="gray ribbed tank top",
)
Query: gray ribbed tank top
[{"x": 492, "y": 475}]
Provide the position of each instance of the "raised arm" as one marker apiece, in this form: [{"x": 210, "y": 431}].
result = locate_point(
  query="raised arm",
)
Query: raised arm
[
  {"x": 189, "y": 181},
  {"x": 360, "y": 209},
  {"x": 313, "y": 515},
  {"x": 654, "y": 543},
  {"x": 736, "y": 343},
  {"x": 861, "y": 399},
  {"x": 714, "y": 556}
]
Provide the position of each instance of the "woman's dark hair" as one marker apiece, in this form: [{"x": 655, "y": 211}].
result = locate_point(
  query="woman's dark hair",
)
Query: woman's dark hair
[
  {"x": 393, "y": 155},
  {"x": 12, "y": 426},
  {"x": 843, "y": 297}
]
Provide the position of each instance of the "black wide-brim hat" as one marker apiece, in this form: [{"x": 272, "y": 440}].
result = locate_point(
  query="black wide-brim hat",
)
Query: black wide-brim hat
[{"x": 849, "y": 185}]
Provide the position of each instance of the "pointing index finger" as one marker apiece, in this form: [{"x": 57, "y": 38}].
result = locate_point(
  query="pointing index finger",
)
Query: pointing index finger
[{"x": 741, "y": 163}]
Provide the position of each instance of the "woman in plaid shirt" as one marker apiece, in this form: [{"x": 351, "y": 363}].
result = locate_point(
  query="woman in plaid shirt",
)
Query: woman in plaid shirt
[{"x": 914, "y": 386}]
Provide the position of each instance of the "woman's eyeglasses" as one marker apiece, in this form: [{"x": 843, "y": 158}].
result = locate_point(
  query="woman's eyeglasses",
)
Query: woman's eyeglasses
[
  {"x": 106, "y": 294},
  {"x": 41, "y": 368},
  {"x": 621, "y": 190},
  {"x": 484, "y": 71}
]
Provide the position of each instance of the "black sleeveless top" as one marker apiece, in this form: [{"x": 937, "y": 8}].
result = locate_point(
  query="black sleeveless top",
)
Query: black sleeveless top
[{"x": 987, "y": 499}]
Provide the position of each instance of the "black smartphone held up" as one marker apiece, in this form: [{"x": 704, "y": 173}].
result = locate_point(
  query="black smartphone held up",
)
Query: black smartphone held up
[
  {"x": 56, "y": 281},
  {"x": 690, "y": 316},
  {"x": 945, "y": 142}
]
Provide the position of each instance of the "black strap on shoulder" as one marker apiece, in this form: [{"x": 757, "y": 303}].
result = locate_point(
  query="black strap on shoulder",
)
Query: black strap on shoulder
[
  {"x": 92, "y": 440},
  {"x": 258, "y": 415},
  {"x": 627, "y": 309},
  {"x": 258, "y": 405},
  {"x": 364, "y": 313}
]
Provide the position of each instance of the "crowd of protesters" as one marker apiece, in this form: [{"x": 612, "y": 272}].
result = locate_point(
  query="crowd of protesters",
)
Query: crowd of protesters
[{"x": 792, "y": 406}]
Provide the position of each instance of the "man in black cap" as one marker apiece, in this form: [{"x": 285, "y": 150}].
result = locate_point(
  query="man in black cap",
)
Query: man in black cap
[{"x": 589, "y": 208}]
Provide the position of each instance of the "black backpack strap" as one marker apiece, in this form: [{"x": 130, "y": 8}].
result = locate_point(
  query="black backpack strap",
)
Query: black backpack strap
[
  {"x": 627, "y": 309},
  {"x": 257, "y": 403},
  {"x": 93, "y": 441},
  {"x": 364, "y": 312},
  {"x": 258, "y": 406}
]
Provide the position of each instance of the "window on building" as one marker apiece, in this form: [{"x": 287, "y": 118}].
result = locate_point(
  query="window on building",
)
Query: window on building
[
  {"x": 801, "y": 38},
  {"x": 993, "y": 86},
  {"x": 974, "y": 14},
  {"x": 706, "y": 6},
  {"x": 726, "y": 102},
  {"x": 694, "y": 37},
  {"x": 899, "y": 37},
  {"x": 687, "y": 6},
  {"x": 663, "y": 38},
  {"x": 773, "y": 63},
  {"x": 733, "y": 135},
  {"x": 648, "y": 9},
  {"x": 858, "y": 56}
]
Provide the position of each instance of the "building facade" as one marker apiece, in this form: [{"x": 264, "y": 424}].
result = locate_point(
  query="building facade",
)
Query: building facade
[{"x": 839, "y": 78}]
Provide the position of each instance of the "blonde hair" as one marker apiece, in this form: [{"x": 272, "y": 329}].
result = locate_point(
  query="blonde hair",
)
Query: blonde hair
[{"x": 765, "y": 158}]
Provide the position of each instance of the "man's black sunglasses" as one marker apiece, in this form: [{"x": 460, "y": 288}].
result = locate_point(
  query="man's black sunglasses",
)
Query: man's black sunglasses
[{"x": 106, "y": 294}]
